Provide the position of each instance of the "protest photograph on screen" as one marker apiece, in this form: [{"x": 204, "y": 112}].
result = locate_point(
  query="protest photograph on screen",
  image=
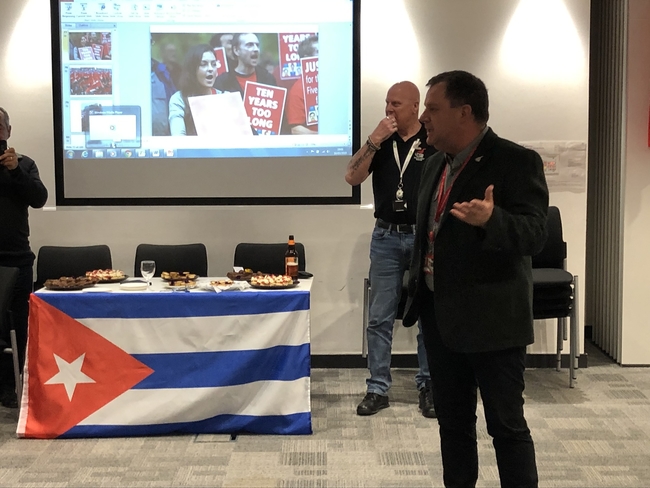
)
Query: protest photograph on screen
[
  {"x": 89, "y": 46},
  {"x": 266, "y": 69},
  {"x": 91, "y": 81},
  {"x": 223, "y": 100}
]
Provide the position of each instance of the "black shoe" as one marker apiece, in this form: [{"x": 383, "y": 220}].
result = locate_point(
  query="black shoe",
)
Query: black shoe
[
  {"x": 426, "y": 401},
  {"x": 371, "y": 404},
  {"x": 8, "y": 399}
]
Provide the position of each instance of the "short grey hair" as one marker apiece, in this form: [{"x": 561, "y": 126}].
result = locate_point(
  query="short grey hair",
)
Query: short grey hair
[{"x": 6, "y": 114}]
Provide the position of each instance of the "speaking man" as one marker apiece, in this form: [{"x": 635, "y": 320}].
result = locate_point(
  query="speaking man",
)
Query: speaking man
[{"x": 481, "y": 216}]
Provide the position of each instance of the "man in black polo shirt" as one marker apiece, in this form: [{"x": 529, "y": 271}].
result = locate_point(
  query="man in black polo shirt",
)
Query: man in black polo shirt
[{"x": 394, "y": 154}]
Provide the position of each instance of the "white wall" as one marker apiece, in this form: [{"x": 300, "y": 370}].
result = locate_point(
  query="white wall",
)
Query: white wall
[
  {"x": 636, "y": 205},
  {"x": 539, "y": 94}
]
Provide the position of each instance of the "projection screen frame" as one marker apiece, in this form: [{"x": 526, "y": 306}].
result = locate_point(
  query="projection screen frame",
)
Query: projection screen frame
[{"x": 353, "y": 198}]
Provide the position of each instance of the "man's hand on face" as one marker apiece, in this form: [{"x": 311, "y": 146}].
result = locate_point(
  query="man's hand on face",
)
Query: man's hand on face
[
  {"x": 386, "y": 128},
  {"x": 9, "y": 159},
  {"x": 475, "y": 212}
]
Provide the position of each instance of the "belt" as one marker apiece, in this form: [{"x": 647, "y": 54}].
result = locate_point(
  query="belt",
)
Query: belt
[{"x": 401, "y": 228}]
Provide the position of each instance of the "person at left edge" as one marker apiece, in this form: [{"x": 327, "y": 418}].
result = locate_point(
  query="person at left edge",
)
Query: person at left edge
[
  {"x": 394, "y": 153},
  {"x": 20, "y": 188}
]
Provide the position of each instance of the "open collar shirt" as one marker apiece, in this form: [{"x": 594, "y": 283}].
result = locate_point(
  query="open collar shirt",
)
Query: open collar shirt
[{"x": 453, "y": 167}]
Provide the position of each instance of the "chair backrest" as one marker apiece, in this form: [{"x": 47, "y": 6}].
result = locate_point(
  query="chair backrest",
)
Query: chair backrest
[
  {"x": 173, "y": 257},
  {"x": 552, "y": 283},
  {"x": 265, "y": 257},
  {"x": 554, "y": 252},
  {"x": 56, "y": 261},
  {"x": 8, "y": 277}
]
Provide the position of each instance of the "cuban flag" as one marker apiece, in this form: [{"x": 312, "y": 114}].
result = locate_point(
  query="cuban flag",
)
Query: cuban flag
[{"x": 131, "y": 364}]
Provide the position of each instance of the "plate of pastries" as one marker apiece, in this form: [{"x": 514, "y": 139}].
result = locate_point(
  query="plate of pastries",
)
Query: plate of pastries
[
  {"x": 69, "y": 283},
  {"x": 226, "y": 282},
  {"x": 178, "y": 280},
  {"x": 243, "y": 275},
  {"x": 107, "y": 275},
  {"x": 178, "y": 276},
  {"x": 181, "y": 285},
  {"x": 273, "y": 281}
]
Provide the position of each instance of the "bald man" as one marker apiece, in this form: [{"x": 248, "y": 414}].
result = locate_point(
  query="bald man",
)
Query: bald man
[{"x": 394, "y": 153}]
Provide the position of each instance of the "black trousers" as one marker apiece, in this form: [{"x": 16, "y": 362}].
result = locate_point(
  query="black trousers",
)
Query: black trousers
[
  {"x": 20, "y": 313},
  {"x": 500, "y": 377}
]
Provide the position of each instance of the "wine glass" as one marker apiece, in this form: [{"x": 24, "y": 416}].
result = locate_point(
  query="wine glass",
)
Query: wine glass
[{"x": 147, "y": 268}]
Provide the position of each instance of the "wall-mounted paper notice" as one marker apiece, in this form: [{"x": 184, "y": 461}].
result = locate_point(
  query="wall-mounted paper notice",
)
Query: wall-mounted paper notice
[{"x": 565, "y": 164}]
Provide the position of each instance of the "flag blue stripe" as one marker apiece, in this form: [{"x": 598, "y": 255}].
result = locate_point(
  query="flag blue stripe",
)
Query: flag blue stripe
[
  {"x": 150, "y": 305},
  {"x": 225, "y": 368},
  {"x": 294, "y": 424}
]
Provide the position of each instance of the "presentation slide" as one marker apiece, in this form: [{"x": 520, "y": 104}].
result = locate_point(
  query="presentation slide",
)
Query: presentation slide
[{"x": 206, "y": 102}]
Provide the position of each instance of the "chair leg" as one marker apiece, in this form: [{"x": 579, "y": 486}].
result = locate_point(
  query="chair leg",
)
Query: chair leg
[
  {"x": 364, "y": 324},
  {"x": 572, "y": 348},
  {"x": 561, "y": 328},
  {"x": 14, "y": 350},
  {"x": 575, "y": 354}
]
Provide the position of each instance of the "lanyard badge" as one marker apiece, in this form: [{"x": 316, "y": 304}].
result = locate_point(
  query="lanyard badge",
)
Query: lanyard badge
[{"x": 399, "y": 205}]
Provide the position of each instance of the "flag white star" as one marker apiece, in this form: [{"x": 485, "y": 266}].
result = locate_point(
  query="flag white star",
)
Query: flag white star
[{"x": 69, "y": 374}]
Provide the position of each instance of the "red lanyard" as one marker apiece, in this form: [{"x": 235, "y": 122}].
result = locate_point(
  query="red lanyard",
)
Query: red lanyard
[{"x": 443, "y": 196}]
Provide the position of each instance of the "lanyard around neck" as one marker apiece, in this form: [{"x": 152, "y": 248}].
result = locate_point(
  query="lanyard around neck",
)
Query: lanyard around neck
[
  {"x": 399, "y": 194},
  {"x": 402, "y": 167},
  {"x": 443, "y": 193}
]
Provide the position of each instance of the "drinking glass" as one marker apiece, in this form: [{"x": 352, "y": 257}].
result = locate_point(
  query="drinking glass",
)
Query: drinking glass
[{"x": 147, "y": 268}]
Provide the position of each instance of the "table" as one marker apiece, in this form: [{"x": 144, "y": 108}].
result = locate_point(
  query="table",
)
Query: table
[{"x": 114, "y": 363}]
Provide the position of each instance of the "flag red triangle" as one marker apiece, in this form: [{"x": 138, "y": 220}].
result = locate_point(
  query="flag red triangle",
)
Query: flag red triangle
[{"x": 50, "y": 411}]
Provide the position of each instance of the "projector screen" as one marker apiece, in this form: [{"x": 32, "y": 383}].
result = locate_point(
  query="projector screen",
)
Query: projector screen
[{"x": 205, "y": 102}]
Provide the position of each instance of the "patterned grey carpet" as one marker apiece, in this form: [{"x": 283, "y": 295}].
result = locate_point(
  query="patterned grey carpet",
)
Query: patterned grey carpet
[{"x": 596, "y": 435}]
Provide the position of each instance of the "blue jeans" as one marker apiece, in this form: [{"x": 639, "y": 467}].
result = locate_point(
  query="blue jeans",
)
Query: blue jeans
[{"x": 390, "y": 257}]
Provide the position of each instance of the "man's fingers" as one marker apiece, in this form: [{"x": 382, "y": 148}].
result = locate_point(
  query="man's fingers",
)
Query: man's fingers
[{"x": 489, "y": 194}]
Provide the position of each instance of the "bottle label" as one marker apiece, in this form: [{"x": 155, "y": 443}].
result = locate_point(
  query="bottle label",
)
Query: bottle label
[{"x": 291, "y": 266}]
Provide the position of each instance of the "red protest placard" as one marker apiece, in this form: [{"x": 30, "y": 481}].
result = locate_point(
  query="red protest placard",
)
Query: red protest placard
[
  {"x": 288, "y": 50},
  {"x": 264, "y": 105},
  {"x": 309, "y": 67},
  {"x": 98, "y": 51},
  {"x": 222, "y": 63}
]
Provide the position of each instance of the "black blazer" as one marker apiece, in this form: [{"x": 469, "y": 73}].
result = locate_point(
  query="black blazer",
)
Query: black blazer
[{"x": 482, "y": 276}]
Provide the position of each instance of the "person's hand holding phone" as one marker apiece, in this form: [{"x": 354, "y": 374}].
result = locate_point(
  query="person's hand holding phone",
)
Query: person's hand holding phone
[{"x": 8, "y": 156}]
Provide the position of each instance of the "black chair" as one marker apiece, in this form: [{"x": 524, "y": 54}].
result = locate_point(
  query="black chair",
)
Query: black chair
[
  {"x": 173, "y": 257},
  {"x": 266, "y": 258},
  {"x": 555, "y": 291},
  {"x": 8, "y": 277},
  {"x": 56, "y": 261},
  {"x": 366, "y": 308}
]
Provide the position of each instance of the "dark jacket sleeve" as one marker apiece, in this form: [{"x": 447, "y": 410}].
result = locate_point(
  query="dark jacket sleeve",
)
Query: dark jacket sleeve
[
  {"x": 518, "y": 223},
  {"x": 25, "y": 177}
]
